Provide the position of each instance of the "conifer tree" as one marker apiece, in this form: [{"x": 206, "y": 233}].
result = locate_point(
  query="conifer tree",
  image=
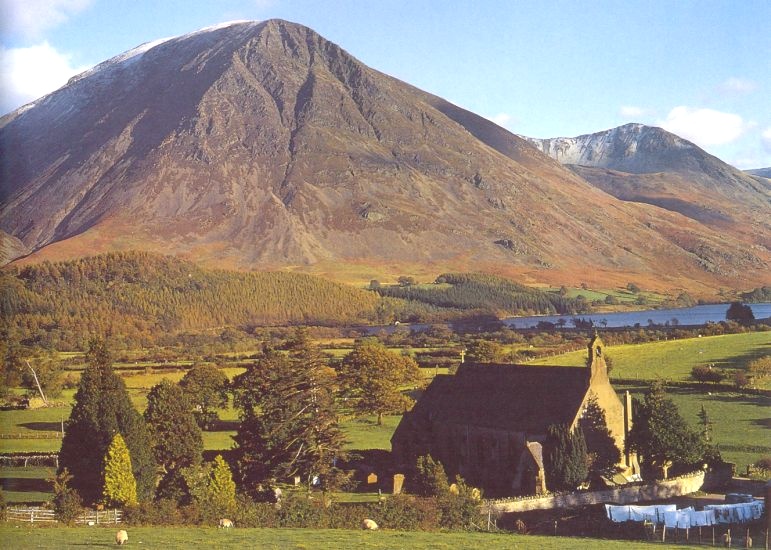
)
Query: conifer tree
[
  {"x": 660, "y": 435},
  {"x": 565, "y": 458},
  {"x": 177, "y": 439},
  {"x": 103, "y": 409},
  {"x": 222, "y": 488},
  {"x": 288, "y": 419},
  {"x": 211, "y": 486},
  {"x": 120, "y": 486},
  {"x": 603, "y": 452}
]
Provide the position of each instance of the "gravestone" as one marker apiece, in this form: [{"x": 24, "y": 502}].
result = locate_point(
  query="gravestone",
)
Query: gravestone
[
  {"x": 398, "y": 482},
  {"x": 372, "y": 478}
]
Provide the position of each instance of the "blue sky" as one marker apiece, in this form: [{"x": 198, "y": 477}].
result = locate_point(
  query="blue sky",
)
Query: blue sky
[{"x": 701, "y": 69}]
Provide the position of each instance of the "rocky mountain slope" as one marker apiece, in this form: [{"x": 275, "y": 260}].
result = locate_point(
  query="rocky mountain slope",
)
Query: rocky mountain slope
[
  {"x": 263, "y": 145},
  {"x": 638, "y": 163}
]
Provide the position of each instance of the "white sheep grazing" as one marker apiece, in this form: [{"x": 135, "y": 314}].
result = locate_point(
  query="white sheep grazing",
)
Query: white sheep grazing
[
  {"x": 225, "y": 523},
  {"x": 369, "y": 525},
  {"x": 121, "y": 537}
]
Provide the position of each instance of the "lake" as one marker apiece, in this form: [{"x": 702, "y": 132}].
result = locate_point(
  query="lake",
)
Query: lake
[{"x": 696, "y": 315}]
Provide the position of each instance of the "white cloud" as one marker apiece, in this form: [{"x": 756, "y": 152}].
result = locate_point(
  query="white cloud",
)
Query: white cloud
[
  {"x": 30, "y": 18},
  {"x": 704, "y": 126},
  {"x": 630, "y": 111},
  {"x": 738, "y": 86},
  {"x": 765, "y": 139},
  {"x": 504, "y": 119},
  {"x": 29, "y": 73}
]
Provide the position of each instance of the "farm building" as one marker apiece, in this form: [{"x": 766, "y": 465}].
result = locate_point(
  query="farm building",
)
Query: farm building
[{"x": 487, "y": 422}]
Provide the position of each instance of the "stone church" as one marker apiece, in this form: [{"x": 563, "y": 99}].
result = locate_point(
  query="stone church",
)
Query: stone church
[{"x": 487, "y": 422}]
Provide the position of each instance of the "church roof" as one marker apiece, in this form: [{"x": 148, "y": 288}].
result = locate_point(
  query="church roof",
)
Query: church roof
[{"x": 520, "y": 398}]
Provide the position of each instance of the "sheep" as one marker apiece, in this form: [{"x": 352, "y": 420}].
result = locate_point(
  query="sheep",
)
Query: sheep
[
  {"x": 369, "y": 524},
  {"x": 225, "y": 523},
  {"x": 121, "y": 537}
]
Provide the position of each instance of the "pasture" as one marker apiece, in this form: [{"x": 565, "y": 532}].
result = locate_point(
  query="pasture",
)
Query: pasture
[
  {"x": 674, "y": 359},
  {"x": 22, "y": 537}
]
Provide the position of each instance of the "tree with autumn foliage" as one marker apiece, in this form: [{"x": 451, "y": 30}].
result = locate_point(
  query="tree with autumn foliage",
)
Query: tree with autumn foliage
[{"x": 375, "y": 377}]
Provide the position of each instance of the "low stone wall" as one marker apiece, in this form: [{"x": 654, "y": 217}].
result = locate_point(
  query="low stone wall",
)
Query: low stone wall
[
  {"x": 628, "y": 494},
  {"x": 753, "y": 487}
]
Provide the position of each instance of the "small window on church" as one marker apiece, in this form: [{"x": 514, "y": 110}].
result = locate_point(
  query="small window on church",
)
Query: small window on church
[{"x": 599, "y": 351}]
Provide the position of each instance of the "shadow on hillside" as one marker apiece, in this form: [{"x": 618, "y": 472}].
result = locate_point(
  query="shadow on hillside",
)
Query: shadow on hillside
[{"x": 741, "y": 361}]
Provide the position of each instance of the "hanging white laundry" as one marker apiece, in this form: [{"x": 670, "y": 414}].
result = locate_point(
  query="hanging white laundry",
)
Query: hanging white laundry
[
  {"x": 702, "y": 518},
  {"x": 617, "y": 514}
]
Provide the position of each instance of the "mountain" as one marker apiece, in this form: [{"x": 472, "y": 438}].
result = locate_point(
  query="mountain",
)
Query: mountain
[
  {"x": 638, "y": 163},
  {"x": 263, "y": 145},
  {"x": 761, "y": 172}
]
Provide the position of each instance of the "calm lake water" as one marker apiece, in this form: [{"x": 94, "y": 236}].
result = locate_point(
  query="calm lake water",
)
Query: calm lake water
[{"x": 696, "y": 315}]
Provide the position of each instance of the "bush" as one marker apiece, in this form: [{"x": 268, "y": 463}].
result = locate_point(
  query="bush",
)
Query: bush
[
  {"x": 162, "y": 512},
  {"x": 301, "y": 511},
  {"x": 706, "y": 373},
  {"x": 407, "y": 513},
  {"x": 430, "y": 478},
  {"x": 249, "y": 513},
  {"x": 67, "y": 502}
]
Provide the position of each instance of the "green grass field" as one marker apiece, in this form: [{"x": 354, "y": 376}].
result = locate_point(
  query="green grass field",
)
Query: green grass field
[
  {"x": 23, "y": 537},
  {"x": 674, "y": 359}
]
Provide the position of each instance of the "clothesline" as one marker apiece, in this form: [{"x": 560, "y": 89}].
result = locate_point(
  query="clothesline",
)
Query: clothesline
[{"x": 669, "y": 515}]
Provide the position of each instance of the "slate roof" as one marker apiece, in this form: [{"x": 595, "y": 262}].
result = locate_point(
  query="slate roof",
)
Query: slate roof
[{"x": 520, "y": 398}]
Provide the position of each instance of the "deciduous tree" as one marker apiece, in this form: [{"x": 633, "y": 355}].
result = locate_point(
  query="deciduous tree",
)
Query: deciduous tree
[
  {"x": 206, "y": 388},
  {"x": 740, "y": 313},
  {"x": 374, "y": 378}
]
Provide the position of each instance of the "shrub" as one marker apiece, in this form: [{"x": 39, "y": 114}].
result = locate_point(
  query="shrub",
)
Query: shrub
[
  {"x": 430, "y": 478},
  {"x": 67, "y": 502},
  {"x": 706, "y": 373},
  {"x": 162, "y": 512},
  {"x": 249, "y": 513},
  {"x": 301, "y": 511}
]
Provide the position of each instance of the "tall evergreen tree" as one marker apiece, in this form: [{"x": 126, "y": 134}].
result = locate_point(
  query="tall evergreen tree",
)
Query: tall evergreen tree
[
  {"x": 604, "y": 455},
  {"x": 177, "y": 439},
  {"x": 660, "y": 435},
  {"x": 565, "y": 458},
  {"x": 288, "y": 420},
  {"x": 120, "y": 486},
  {"x": 103, "y": 409}
]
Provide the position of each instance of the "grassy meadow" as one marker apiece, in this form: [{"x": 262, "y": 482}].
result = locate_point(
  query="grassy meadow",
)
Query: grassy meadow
[
  {"x": 674, "y": 359},
  {"x": 19, "y": 537}
]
